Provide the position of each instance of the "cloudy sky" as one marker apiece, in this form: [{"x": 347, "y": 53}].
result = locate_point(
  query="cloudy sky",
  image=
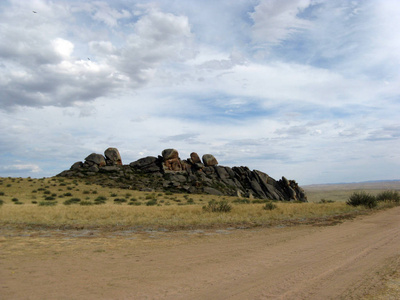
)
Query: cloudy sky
[{"x": 307, "y": 89}]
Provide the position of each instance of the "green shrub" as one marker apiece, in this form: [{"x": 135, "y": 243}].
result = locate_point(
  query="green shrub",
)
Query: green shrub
[
  {"x": 218, "y": 206},
  {"x": 135, "y": 203},
  {"x": 150, "y": 196},
  {"x": 72, "y": 201},
  {"x": 119, "y": 200},
  {"x": 1, "y": 193},
  {"x": 362, "y": 198},
  {"x": 47, "y": 203},
  {"x": 241, "y": 201},
  {"x": 14, "y": 199},
  {"x": 50, "y": 198},
  {"x": 85, "y": 203},
  {"x": 1, "y": 202},
  {"x": 151, "y": 202},
  {"x": 100, "y": 200},
  {"x": 269, "y": 206},
  {"x": 259, "y": 201},
  {"x": 323, "y": 201},
  {"x": 389, "y": 196}
]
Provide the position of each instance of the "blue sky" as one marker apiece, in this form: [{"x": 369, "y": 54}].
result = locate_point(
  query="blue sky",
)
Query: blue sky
[{"x": 307, "y": 89}]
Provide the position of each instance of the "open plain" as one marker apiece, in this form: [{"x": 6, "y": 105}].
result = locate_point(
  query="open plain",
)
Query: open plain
[
  {"x": 323, "y": 258},
  {"x": 353, "y": 260}
]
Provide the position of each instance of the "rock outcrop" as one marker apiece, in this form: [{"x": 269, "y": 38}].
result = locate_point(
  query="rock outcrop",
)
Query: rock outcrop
[
  {"x": 168, "y": 172},
  {"x": 113, "y": 158}
]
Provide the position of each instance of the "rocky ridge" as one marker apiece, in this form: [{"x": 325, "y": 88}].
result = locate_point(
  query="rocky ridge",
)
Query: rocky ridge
[{"x": 167, "y": 172}]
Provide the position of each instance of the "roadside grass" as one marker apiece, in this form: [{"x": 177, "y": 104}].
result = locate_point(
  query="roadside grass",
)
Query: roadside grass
[{"x": 76, "y": 203}]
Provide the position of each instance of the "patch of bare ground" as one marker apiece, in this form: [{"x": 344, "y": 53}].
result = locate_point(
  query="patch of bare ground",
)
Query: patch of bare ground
[{"x": 356, "y": 259}]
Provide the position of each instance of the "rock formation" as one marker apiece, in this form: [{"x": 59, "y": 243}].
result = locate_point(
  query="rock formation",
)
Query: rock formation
[
  {"x": 113, "y": 158},
  {"x": 169, "y": 173}
]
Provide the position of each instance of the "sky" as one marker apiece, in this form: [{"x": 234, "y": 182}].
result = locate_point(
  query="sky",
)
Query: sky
[{"x": 306, "y": 89}]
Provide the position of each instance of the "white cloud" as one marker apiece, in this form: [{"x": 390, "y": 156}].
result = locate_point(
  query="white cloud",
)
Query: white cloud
[
  {"x": 275, "y": 21},
  {"x": 18, "y": 168},
  {"x": 280, "y": 86},
  {"x": 63, "y": 47}
]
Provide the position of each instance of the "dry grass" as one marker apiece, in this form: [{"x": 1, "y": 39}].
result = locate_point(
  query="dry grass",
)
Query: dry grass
[
  {"x": 168, "y": 210},
  {"x": 164, "y": 216}
]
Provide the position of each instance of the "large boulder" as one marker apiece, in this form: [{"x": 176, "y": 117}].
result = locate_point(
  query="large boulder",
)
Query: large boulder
[
  {"x": 173, "y": 164},
  {"x": 113, "y": 158},
  {"x": 170, "y": 154},
  {"x": 209, "y": 160},
  {"x": 172, "y": 161},
  {"x": 76, "y": 166},
  {"x": 146, "y": 164},
  {"x": 194, "y": 157},
  {"x": 97, "y": 159}
]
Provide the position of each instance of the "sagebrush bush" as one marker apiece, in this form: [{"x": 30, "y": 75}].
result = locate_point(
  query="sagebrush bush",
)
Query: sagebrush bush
[
  {"x": 85, "y": 203},
  {"x": 218, "y": 206},
  {"x": 47, "y": 203},
  {"x": 151, "y": 202},
  {"x": 72, "y": 201},
  {"x": 269, "y": 206},
  {"x": 135, "y": 203},
  {"x": 119, "y": 200},
  {"x": 241, "y": 201},
  {"x": 389, "y": 196},
  {"x": 362, "y": 198}
]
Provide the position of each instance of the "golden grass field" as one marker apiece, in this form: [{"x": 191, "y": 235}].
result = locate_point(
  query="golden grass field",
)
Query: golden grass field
[{"x": 27, "y": 202}]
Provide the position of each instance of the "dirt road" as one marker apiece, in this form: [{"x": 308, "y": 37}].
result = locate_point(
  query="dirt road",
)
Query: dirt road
[{"x": 346, "y": 261}]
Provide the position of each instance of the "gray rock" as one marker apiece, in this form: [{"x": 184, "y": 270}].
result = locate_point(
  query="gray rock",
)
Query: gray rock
[
  {"x": 113, "y": 157},
  {"x": 76, "y": 166},
  {"x": 170, "y": 154},
  {"x": 212, "y": 191},
  {"x": 108, "y": 169},
  {"x": 94, "y": 168},
  {"x": 146, "y": 164},
  {"x": 195, "y": 158},
  {"x": 97, "y": 159},
  {"x": 209, "y": 160}
]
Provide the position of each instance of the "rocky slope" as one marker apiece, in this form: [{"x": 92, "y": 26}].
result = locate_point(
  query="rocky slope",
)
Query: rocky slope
[{"x": 168, "y": 172}]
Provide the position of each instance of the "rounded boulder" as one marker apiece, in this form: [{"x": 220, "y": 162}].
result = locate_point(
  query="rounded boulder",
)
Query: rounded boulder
[
  {"x": 170, "y": 154},
  {"x": 112, "y": 155},
  {"x": 209, "y": 160}
]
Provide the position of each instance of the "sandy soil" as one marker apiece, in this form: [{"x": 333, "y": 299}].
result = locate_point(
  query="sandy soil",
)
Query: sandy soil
[{"x": 353, "y": 260}]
